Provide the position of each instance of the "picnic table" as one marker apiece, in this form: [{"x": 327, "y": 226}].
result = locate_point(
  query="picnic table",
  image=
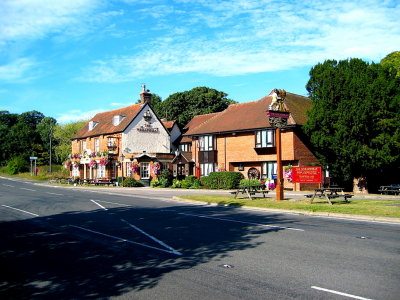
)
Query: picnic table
[
  {"x": 390, "y": 189},
  {"x": 250, "y": 190},
  {"x": 329, "y": 193},
  {"x": 99, "y": 181}
]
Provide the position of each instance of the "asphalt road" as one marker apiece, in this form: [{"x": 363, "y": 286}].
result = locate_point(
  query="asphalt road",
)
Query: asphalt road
[{"x": 75, "y": 243}]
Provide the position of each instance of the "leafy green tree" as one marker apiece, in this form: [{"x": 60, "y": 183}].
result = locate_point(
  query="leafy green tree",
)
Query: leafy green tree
[
  {"x": 354, "y": 121},
  {"x": 183, "y": 106},
  {"x": 392, "y": 61},
  {"x": 7, "y": 120},
  {"x": 63, "y": 134}
]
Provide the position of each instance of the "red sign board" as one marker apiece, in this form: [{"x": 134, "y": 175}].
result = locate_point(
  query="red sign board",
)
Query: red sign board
[{"x": 307, "y": 174}]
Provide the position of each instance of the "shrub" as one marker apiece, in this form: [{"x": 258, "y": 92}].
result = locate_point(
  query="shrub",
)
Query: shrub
[
  {"x": 130, "y": 182},
  {"x": 17, "y": 165},
  {"x": 222, "y": 180},
  {"x": 167, "y": 175},
  {"x": 250, "y": 182},
  {"x": 176, "y": 184},
  {"x": 205, "y": 182},
  {"x": 154, "y": 183},
  {"x": 190, "y": 181}
]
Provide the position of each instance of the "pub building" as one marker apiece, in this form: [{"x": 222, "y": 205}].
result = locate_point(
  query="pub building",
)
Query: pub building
[
  {"x": 241, "y": 139},
  {"x": 134, "y": 142},
  {"x": 130, "y": 141}
]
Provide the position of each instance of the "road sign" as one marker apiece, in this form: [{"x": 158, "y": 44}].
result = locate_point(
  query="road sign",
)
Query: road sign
[{"x": 33, "y": 157}]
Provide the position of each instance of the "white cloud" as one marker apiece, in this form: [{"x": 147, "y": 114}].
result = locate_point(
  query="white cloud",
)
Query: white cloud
[
  {"x": 238, "y": 37},
  {"x": 77, "y": 115},
  {"x": 19, "y": 70},
  {"x": 34, "y": 19},
  {"x": 120, "y": 104}
]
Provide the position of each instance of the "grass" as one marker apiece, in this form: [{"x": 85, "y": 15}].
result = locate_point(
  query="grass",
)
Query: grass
[
  {"x": 368, "y": 207},
  {"x": 43, "y": 174}
]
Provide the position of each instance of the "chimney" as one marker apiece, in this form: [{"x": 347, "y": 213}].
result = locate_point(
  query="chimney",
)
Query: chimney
[{"x": 145, "y": 95}]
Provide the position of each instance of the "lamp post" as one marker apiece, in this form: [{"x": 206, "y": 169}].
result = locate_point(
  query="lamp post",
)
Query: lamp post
[
  {"x": 278, "y": 116},
  {"x": 122, "y": 167}
]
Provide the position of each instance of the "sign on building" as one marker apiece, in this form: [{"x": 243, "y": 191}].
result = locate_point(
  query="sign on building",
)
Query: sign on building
[{"x": 307, "y": 174}]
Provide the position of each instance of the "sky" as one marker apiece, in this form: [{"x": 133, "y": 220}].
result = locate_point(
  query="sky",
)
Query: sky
[{"x": 70, "y": 59}]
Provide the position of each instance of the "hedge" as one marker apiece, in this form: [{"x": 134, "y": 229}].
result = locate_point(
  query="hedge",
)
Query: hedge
[{"x": 222, "y": 180}]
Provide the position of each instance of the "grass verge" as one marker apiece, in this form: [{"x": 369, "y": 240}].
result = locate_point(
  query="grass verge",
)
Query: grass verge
[{"x": 368, "y": 207}]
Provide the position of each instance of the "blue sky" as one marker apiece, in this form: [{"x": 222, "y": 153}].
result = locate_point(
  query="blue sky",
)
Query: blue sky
[{"x": 70, "y": 59}]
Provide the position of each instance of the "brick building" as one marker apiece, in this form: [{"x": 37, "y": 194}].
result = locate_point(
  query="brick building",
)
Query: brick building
[
  {"x": 241, "y": 139},
  {"x": 131, "y": 141}
]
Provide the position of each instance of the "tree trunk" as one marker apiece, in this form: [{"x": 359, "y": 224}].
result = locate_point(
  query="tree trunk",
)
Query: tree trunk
[{"x": 360, "y": 185}]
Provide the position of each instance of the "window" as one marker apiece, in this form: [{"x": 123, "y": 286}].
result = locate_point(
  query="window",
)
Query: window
[
  {"x": 75, "y": 171},
  {"x": 265, "y": 138},
  {"x": 206, "y": 169},
  {"x": 83, "y": 146},
  {"x": 101, "y": 171},
  {"x": 92, "y": 125},
  {"x": 184, "y": 147},
  {"x": 268, "y": 169},
  {"x": 117, "y": 120},
  {"x": 96, "y": 145},
  {"x": 206, "y": 143},
  {"x": 111, "y": 143},
  {"x": 129, "y": 169},
  {"x": 144, "y": 170}
]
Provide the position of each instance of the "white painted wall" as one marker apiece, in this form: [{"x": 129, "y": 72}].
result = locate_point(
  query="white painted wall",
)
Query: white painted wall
[
  {"x": 175, "y": 133},
  {"x": 135, "y": 141}
]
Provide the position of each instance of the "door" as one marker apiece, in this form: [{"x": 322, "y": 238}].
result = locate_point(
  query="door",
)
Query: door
[{"x": 144, "y": 170}]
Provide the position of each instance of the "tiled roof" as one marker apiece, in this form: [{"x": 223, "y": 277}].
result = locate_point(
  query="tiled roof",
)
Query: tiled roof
[
  {"x": 248, "y": 116},
  {"x": 105, "y": 122},
  {"x": 169, "y": 124}
]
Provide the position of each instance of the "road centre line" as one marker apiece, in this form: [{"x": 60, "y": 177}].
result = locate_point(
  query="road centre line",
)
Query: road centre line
[
  {"x": 125, "y": 240},
  {"x": 26, "y": 189},
  {"x": 24, "y": 211},
  {"x": 153, "y": 238},
  {"x": 9, "y": 185},
  {"x": 54, "y": 194},
  {"x": 242, "y": 222},
  {"x": 98, "y": 204},
  {"x": 339, "y": 293}
]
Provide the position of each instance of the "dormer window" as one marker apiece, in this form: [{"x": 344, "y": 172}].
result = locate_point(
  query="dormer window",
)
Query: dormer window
[
  {"x": 92, "y": 125},
  {"x": 117, "y": 120}
]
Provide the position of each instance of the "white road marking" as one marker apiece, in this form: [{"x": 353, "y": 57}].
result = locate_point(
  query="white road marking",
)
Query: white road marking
[
  {"x": 242, "y": 222},
  {"x": 24, "y": 211},
  {"x": 98, "y": 204},
  {"x": 8, "y": 185},
  {"x": 125, "y": 240},
  {"x": 27, "y": 189},
  {"x": 116, "y": 203},
  {"x": 55, "y": 194},
  {"x": 339, "y": 293},
  {"x": 153, "y": 238}
]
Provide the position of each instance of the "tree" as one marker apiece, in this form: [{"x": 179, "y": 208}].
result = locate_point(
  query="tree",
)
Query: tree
[
  {"x": 46, "y": 131},
  {"x": 354, "y": 123},
  {"x": 183, "y": 106},
  {"x": 63, "y": 134},
  {"x": 392, "y": 61}
]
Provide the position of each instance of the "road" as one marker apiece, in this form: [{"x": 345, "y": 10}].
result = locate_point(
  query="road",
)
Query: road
[{"x": 66, "y": 242}]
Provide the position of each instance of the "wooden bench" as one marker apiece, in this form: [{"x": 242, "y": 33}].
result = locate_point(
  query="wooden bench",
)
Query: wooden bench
[{"x": 393, "y": 189}]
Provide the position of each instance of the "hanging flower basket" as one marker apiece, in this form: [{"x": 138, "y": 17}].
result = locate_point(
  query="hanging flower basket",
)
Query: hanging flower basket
[
  {"x": 135, "y": 168},
  {"x": 155, "y": 168},
  {"x": 93, "y": 164},
  {"x": 67, "y": 164},
  {"x": 287, "y": 173},
  {"x": 75, "y": 156},
  {"x": 103, "y": 161}
]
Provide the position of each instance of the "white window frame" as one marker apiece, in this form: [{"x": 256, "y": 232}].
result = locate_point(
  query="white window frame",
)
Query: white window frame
[
  {"x": 101, "y": 171},
  {"x": 128, "y": 169},
  {"x": 96, "y": 145},
  {"x": 268, "y": 169},
  {"x": 144, "y": 170},
  {"x": 206, "y": 143},
  {"x": 75, "y": 171},
  {"x": 206, "y": 169},
  {"x": 265, "y": 138}
]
